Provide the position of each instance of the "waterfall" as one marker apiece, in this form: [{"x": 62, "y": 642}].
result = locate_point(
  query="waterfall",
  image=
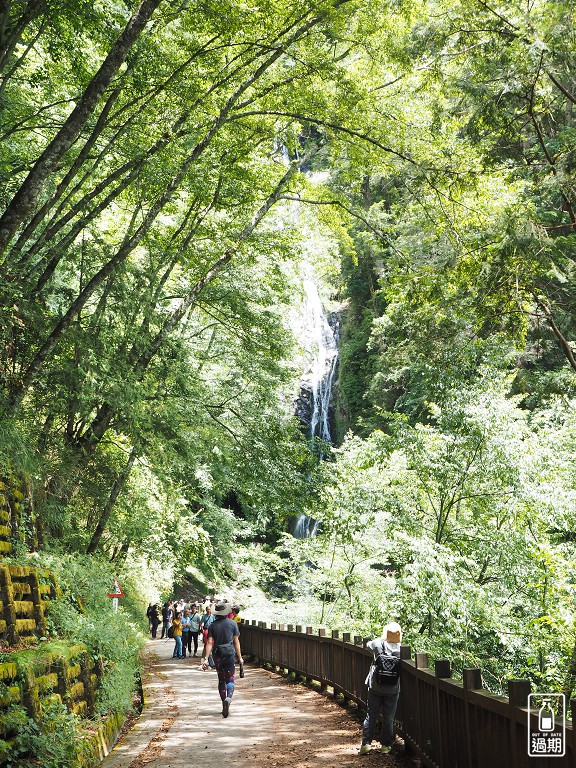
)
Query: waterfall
[
  {"x": 304, "y": 527},
  {"x": 322, "y": 338},
  {"x": 325, "y": 340}
]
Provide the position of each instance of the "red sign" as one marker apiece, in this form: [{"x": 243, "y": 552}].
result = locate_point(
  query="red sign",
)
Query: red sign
[{"x": 118, "y": 589}]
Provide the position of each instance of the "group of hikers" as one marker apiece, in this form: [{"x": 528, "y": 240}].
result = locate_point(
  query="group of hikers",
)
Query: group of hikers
[{"x": 217, "y": 621}]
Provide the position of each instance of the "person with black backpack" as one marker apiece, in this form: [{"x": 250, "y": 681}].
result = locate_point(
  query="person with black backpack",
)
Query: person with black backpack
[
  {"x": 223, "y": 644},
  {"x": 383, "y": 687}
]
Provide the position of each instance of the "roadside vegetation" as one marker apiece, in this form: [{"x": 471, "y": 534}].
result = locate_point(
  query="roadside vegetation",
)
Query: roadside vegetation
[{"x": 168, "y": 170}]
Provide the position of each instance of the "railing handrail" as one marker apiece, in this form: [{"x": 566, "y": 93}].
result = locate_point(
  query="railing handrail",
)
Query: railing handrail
[{"x": 446, "y": 723}]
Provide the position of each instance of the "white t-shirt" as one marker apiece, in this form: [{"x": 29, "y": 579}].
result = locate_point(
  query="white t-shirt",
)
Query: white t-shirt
[{"x": 391, "y": 649}]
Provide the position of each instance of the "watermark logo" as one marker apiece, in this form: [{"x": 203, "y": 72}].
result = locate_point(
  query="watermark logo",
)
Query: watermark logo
[{"x": 546, "y": 725}]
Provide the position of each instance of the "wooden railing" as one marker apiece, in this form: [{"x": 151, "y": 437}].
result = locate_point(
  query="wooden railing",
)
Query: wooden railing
[{"x": 446, "y": 723}]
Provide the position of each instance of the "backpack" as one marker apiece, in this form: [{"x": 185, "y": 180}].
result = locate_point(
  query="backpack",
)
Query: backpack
[
  {"x": 170, "y": 632},
  {"x": 224, "y": 651},
  {"x": 386, "y": 666}
]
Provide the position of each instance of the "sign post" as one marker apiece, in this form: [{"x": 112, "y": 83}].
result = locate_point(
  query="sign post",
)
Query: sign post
[{"x": 115, "y": 595}]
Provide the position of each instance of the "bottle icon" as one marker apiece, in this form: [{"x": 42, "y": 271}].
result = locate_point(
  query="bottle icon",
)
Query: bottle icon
[{"x": 546, "y": 717}]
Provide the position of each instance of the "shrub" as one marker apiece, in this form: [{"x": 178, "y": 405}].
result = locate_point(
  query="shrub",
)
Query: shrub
[{"x": 54, "y": 738}]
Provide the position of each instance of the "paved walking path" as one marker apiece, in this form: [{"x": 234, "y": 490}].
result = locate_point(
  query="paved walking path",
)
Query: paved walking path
[{"x": 272, "y": 724}]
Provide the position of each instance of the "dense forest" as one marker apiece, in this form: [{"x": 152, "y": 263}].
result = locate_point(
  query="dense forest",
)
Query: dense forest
[{"x": 174, "y": 173}]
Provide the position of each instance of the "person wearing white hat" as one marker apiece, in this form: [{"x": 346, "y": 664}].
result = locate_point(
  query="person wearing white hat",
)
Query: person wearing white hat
[
  {"x": 383, "y": 687},
  {"x": 223, "y": 644}
]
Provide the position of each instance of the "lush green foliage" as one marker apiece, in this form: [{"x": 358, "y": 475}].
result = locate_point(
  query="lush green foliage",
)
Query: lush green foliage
[
  {"x": 84, "y": 614},
  {"x": 460, "y": 528},
  {"x": 151, "y": 244},
  {"x": 81, "y": 614},
  {"x": 53, "y": 738},
  {"x": 143, "y": 293}
]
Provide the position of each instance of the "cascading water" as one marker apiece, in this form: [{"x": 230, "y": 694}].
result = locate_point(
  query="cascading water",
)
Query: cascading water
[
  {"x": 304, "y": 527},
  {"x": 323, "y": 340},
  {"x": 326, "y": 343}
]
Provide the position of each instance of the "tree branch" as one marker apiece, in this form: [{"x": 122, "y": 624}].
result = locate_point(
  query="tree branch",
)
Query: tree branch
[
  {"x": 564, "y": 343},
  {"x": 31, "y": 188},
  {"x": 327, "y": 124}
]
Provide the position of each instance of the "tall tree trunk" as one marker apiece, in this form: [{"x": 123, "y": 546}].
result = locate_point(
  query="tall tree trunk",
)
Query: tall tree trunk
[
  {"x": 25, "y": 200},
  {"x": 119, "y": 484},
  {"x": 106, "y": 412},
  {"x": 130, "y": 243},
  {"x": 120, "y": 553},
  {"x": 66, "y": 181},
  {"x": 10, "y": 34}
]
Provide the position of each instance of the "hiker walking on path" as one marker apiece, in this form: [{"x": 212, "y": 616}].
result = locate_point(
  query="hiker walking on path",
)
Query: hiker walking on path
[
  {"x": 154, "y": 619},
  {"x": 383, "y": 687},
  {"x": 223, "y": 644},
  {"x": 176, "y": 628},
  {"x": 195, "y": 619},
  {"x": 186, "y": 637},
  {"x": 166, "y": 614},
  {"x": 207, "y": 619}
]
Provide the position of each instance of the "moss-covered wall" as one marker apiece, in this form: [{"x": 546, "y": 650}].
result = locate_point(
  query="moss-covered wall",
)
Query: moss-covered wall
[
  {"x": 50, "y": 671},
  {"x": 56, "y": 672},
  {"x": 16, "y": 513},
  {"x": 34, "y": 673},
  {"x": 95, "y": 746},
  {"x": 24, "y": 591}
]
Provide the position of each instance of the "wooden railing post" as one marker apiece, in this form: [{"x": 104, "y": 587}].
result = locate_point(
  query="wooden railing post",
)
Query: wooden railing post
[
  {"x": 573, "y": 712},
  {"x": 518, "y": 691},
  {"x": 309, "y": 631},
  {"x": 421, "y": 663},
  {"x": 442, "y": 671},
  {"x": 472, "y": 679},
  {"x": 322, "y": 664},
  {"x": 406, "y": 655},
  {"x": 332, "y": 664}
]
